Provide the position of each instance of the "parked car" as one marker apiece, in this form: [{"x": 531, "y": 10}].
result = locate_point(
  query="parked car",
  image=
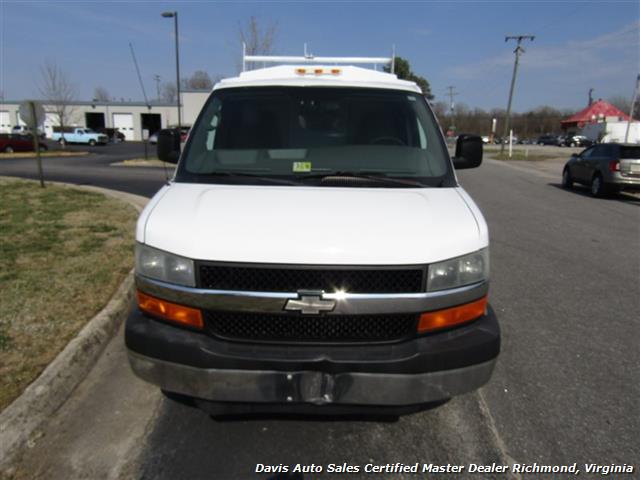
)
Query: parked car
[
  {"x": 114, "y": 134},
  {"x": 24, "y": 130},
  {"x": 548, "y": 140},
  {"x": 606, "y": 168},
  {"x": 311, "y": 255},
  {"x": 184, "y": 133},
  {"x": 80, "y": 135},
  {"x": 11, "y": 142},
  {"x": 577, "y": 141},
  {"x": 153, "y": 139}
]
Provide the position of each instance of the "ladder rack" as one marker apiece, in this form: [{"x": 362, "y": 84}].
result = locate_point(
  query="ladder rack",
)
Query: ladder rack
[{"x": 310, "y": 59}]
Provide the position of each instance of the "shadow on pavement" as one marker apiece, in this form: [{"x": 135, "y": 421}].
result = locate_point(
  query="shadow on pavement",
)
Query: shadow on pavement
[
  {"x": 583, "y": 191},
  {"x": 240, "y": 412}
]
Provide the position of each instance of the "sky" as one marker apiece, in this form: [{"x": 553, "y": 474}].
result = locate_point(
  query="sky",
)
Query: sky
[{"x": 578, "y": 44}]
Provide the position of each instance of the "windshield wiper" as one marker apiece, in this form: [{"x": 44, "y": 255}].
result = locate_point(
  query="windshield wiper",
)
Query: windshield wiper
[
  {"x": 373, "y": 176},
  {"x": 254, "y": 176}
]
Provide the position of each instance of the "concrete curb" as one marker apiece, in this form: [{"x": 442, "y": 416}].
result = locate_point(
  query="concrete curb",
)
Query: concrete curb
[{"x": 20, "y": 421}]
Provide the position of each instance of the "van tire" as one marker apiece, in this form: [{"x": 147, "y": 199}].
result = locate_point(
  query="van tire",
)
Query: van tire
[{"x": 92, "y": 142}]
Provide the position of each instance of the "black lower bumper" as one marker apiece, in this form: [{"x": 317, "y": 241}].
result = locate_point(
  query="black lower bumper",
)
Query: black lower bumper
[
  {"x": 427, "y": 369},
  {"x": 474, "y": 343}
]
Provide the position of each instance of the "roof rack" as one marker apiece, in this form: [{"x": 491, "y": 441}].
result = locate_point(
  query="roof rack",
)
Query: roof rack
[{"x": 308, "y": 58}]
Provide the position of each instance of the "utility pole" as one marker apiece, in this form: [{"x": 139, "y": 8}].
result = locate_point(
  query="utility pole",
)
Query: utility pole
[
  {"x": 518, "y": 51},
  {"x": 451, "y": 94},
  {"x": 156, "y": 77},
  {"x": 174, "y": 15},
  {"x": 633, "y": 107},
  {"x": 590, "y": 96}
]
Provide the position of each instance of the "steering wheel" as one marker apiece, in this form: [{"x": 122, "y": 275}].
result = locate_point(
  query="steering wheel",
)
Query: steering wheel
[{"x": 388, "y": 141}]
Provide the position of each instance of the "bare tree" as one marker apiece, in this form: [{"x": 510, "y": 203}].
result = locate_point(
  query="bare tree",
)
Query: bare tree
[
  {"x": 440, "y": 109},
  {"x": 101, "y": 94},
  {"x": 199, "y": 80},
  {"x": 59, "y": 93},
  {"x": 169, "y": 92},
  {"x": 624, "y": 104},
  {"x": 258, "y": 40}
]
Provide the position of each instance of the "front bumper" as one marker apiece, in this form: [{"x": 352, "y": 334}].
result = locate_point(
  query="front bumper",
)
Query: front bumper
[{"x": 426, "y": 369}]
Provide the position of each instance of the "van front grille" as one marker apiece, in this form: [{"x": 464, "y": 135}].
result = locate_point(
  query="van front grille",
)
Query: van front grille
[
  {"x": 330, "y": 279},
  {"x": 295, "y": 328}
]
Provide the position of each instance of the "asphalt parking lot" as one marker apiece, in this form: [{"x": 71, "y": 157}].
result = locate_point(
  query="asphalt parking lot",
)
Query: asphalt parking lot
[
  {"x": 95, "y": 168},
  {"x": 565, "y": 270}
]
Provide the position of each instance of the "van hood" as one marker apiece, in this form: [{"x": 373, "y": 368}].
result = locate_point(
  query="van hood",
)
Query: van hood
[{"x": 312, "y": 225}]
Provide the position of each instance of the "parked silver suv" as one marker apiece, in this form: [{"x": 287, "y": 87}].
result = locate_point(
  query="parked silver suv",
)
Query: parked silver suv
[{"x": 606, "y": 168}]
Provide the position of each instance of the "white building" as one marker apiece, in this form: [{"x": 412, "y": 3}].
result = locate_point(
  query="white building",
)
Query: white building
[{"x": 130, "y": 118}]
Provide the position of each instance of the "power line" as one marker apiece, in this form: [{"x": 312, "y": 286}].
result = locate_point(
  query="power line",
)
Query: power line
[
  {"x": 518, "y": 51},
  {"x": 135, "y": 62}
]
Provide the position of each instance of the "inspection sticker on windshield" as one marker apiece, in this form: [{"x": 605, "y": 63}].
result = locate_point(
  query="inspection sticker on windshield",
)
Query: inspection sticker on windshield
[{"x": 301, "y": 167}]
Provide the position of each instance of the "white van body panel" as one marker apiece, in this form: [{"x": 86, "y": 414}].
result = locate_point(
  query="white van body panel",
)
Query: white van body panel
[
  {"x": 313, "y": 225},
  {"x": 285, "y": 75}
]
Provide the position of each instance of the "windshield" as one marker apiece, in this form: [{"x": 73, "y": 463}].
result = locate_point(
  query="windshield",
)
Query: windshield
[{"x": 302, "y": 133}]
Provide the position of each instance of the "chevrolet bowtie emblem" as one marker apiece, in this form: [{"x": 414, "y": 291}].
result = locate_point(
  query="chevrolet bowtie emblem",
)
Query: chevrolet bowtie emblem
[{"x": 309, "y": 304}]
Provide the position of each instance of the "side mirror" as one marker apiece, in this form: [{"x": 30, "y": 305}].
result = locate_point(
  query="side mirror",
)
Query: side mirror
[
  {"x": 468, "y": 152},
  {"x": 169, "y": 145},
  {"x": 574, "y": 155}
]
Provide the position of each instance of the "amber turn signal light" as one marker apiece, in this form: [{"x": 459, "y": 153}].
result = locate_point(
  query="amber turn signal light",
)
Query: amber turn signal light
[
  {"x": 191, "y": 317},
  {"x": 451, "y": 317}
]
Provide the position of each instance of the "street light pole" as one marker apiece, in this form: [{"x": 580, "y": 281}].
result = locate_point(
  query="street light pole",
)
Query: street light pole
[
  {"x": 174, "y": 15},
  {"x": 518, "y": 51}
]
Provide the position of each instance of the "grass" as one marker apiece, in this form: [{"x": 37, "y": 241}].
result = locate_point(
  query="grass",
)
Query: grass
[
  {"x": 63, "y": 253},
  {"x": 48, "y": 154}
]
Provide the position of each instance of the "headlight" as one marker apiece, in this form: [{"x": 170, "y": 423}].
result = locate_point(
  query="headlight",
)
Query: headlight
[
  {"x": 459, "y": 271},
  {"x": 164, "y": 266}
]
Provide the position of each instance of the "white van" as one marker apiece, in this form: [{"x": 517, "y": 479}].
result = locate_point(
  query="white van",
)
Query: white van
[
  {"x": 24, "y": 130},
  {"x": 314, "y": 251}
]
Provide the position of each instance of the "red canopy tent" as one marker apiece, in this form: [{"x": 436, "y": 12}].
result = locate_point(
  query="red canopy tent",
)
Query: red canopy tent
[{"x": 593, "y": 112}]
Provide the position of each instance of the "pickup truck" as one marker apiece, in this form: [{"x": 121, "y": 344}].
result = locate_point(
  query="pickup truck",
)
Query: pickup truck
[
  {"x": 80, "y": 135},
  {"x": 314, "y": 252}
]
